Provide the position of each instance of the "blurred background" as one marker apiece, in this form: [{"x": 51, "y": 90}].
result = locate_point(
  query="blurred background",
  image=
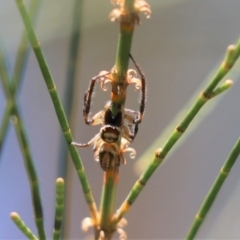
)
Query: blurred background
[{"x": 178, "y": 48}]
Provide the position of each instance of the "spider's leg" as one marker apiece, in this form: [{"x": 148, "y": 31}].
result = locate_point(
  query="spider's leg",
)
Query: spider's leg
[
  {"x": 80, "y": 144},
  {"x": 93, "y": 140},
  {"x": 127, "y": 132},
  {"x": 88, "y": 98},
  {"x": 133, "y": 120},
  {"x": 129, "y": 115},
  {"x": 87, "y": 101},
  {"x": 143, "y": 96},
  {"x": 98, "y": 118}
]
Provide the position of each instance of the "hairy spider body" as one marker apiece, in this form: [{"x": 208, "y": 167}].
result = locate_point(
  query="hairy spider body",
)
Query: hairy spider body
[
  {"x": 110, "y": 155},
  {"x": 119, "y": 125}
]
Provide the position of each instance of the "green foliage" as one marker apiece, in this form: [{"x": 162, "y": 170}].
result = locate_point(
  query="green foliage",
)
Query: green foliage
[{"x": 105, "y": 220}]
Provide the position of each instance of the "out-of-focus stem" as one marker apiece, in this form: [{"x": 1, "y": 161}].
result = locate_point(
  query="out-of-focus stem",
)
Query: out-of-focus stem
[
  {"x": 123, "y": 50},
  {"x": 213, "y": 192},
  {"x": 19, "y": 69},
  {"x": 22, "y": 226},
  {"x": 68, "y": 100},
  {"x": 59, "y": 207},
  {"x": 24, "y": 146},
  {"x": 70, "y": 77},
  {"x": 108, "y": 200}
]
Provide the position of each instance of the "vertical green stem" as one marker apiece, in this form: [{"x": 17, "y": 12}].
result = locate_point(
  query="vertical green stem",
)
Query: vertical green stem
[
  {"x": 122, "y": 61},
  {"x": 123, "y": 50},
  {"x": 213, "y": 192},
  {"x": 4, "y": 125},
  {"x": 60, "y": 188},
  {"x": 108, "y": 200}
]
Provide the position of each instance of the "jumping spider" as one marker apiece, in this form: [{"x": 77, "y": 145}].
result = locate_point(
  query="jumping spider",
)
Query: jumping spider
[{"x": 119, "y": 129}]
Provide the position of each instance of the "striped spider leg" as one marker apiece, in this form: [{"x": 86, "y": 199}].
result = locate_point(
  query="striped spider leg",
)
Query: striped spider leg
[{"x": 143, "y": 96}]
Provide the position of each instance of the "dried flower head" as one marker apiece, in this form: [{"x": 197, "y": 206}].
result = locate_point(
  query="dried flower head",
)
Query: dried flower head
[
  {"x": 88, "y": 222},
  {"x": 131, "y": 78},
  {"x": 122, "y": 14}
]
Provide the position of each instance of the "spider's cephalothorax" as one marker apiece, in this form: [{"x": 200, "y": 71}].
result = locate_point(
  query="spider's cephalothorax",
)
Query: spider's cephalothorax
[
  {"x": 110, "y": 134},
  {"x": 118, "y": 129}
]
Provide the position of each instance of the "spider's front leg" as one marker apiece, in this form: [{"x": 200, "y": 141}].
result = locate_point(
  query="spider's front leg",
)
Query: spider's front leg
[
  {"x": 132, "y": 117},
  {"x": 94, "y": 141},
  {"x": 128, "y": 133},
  {"x": 143, "y": 95},
  {"x": 88, "y": 99},
  {"x": 134, "y": 132}
]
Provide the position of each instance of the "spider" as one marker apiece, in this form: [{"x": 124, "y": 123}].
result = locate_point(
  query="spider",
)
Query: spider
[{"x": 115, "y": 134}]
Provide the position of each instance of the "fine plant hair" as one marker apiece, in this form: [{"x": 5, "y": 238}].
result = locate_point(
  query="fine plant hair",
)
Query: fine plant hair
[{"x": 119, "y": 126}]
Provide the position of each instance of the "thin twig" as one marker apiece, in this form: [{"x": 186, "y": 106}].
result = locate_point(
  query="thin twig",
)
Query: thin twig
[
  {"x": 213, "y": 192},
  {"x": 108, "y": 201},
  {"x": 69, "y": 96},
  {"x": 124, "y": 43},
  {"x": 59, "y": 207},
  {"x": 122, "y": 60},
  {"x": 22, "y": 226}
]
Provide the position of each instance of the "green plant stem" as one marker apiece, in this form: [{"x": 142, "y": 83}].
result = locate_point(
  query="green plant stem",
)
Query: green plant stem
[
  {"x": 69, "y": 94},
  {"x": 4, "y": 125},
  {"x": 18, "y": 72},
  {"x": 70, "y": 78},
  {"x": 124, "y": 42},
  {"x": 24, "y": 145},
  {"x": 107, "y": 202},
  {"x": 210, "y": 91},
  {"x": 60, "y": 188},
  {"x": 22, "y": 226},
  {"x": 124, "y": 46},
  {"x": 23, "y": 49},
  {"x": 121, "y": 65},
  {"x": 59, "y": 110},
  {"x": 122, "y": 58},
  {"x": 213, "y": 192}
]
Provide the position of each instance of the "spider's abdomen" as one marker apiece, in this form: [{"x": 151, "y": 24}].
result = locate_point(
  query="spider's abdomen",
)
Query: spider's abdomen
[{"x": 109, "y": 160}]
